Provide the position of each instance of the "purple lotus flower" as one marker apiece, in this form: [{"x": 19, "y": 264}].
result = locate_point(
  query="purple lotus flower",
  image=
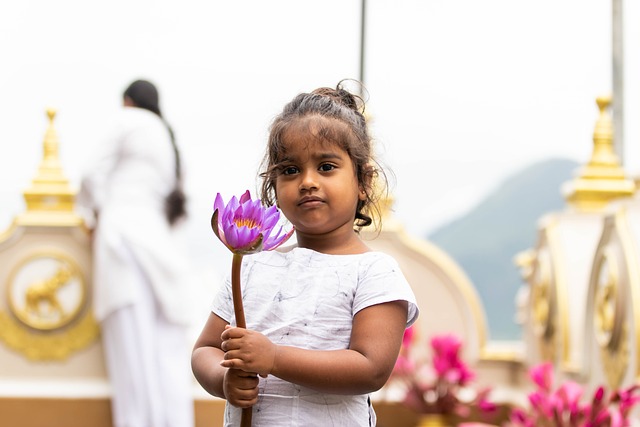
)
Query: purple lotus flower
[{"x": 245, "y": 226}]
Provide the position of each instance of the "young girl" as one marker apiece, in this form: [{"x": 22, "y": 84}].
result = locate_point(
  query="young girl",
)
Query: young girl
[{"x": 325, "y": 318}]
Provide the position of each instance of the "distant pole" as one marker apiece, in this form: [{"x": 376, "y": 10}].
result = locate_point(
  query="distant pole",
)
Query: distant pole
[
  {"x": 363, "y": 21},
  {"x": 617, "y": 50}
]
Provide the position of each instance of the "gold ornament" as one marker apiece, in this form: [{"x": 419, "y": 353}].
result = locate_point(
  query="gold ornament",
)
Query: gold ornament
[
  {"x": 47, "y": 298},
  {"x": 543, "y": 305},
  {"x": 608, "y": 321}
]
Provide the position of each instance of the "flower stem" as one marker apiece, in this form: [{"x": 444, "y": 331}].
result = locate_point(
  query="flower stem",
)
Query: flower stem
[
  {"x": 236, "y": 291},
  {"x": 238, "y": 308}
]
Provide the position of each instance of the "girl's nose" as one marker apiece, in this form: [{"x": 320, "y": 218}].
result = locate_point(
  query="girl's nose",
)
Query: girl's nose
[{"x": 309, "y": 181}]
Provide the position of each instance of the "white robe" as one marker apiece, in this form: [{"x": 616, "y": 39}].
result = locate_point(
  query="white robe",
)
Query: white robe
[
  {"x": 141, "y": 288},
  {"x": 133, "y": 172}
]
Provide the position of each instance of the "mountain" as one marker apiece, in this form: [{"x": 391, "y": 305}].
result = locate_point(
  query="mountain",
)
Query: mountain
[{"x": 486, "y": 239}]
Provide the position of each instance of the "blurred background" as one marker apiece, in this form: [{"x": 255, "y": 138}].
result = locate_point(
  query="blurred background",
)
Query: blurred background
[{"x": 473, "y": 104}]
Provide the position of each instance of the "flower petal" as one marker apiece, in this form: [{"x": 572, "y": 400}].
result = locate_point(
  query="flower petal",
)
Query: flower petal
[
  {"x": 231, "y": 234},
  {"x": 245, "y": 197},
  {"x": 218, "y": 204}
]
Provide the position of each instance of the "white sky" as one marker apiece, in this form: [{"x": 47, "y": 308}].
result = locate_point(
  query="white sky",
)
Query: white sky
[{"x": 462, "y": 92}]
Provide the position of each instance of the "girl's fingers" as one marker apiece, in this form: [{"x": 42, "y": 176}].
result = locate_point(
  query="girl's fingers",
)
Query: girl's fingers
[
  {"x": 231, "y": 332},
  {"x": 231, "y": 363}
]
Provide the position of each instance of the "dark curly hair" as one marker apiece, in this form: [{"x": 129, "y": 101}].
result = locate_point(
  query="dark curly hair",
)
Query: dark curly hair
[{"x": 338, "y": 117}]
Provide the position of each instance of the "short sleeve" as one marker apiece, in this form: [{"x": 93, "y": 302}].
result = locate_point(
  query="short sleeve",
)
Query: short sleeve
[
  {"x": 222, "y": 304},
  {"x": 380, "y": 281}
]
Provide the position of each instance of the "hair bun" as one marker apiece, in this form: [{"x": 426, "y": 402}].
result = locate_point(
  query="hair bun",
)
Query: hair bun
[{"x": 344, "y": 96}]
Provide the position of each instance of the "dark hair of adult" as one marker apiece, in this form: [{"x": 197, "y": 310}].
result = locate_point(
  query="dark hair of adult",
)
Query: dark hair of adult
[
  {"x": 143, "y": 94},
  {"x": 336, "y": 116}
]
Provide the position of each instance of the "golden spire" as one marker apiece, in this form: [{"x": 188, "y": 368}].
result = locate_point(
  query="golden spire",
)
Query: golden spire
[
  {"x": 50, "y": 200},
  {"x": 602, "y": 179}
]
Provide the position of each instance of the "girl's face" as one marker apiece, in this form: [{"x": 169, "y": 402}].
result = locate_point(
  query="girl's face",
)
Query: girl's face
[{"x": 316, "y": 186}]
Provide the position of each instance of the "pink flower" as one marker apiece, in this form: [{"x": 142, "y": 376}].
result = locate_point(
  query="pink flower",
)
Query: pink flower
[
  {"x": 403, "y": 366},
  {"x": 435, "y": 388},
  {"x": 446, "y": 346},
  {"x": 569, "y": 395},
  {"x": 408, "y": 337},
  {"x": 542, "y": 375},
  {"x": 541, "y": 403},
  {"x": 447, "y": 362},
  {"x": 562, "y": 407}
]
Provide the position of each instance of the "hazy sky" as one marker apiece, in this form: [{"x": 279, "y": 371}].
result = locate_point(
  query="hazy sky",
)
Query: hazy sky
[{"x": 462, "y": 92}]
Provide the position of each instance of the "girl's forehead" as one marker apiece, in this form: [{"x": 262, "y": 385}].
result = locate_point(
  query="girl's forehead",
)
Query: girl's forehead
[
  {"x": 311, "y": 134},
  {"x": 305, "y": 146}
]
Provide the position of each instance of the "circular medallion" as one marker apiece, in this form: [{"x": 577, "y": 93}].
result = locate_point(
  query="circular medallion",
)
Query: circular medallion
[{"x": 46, "y": 291}]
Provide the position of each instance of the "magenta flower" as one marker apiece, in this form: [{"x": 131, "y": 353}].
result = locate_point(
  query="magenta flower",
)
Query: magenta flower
[
  {"x": 562, "y": 407},
  {"x": 245, "y": 226},
  {"x": 404, "y": 365},
  {"x": 438, "y": 388},
  {"x": 542, "y": 376},
  {"x": 447, "y": 362},
  {"x": 408, "y": 337}
]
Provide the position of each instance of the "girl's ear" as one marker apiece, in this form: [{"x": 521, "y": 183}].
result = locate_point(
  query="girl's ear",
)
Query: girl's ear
[{"x": 362, "y": 195}]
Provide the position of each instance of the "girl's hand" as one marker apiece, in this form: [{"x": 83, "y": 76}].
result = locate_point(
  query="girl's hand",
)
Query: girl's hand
[
  {"x": 247, "y": 350},
  {"x": 241, "y": 388}
]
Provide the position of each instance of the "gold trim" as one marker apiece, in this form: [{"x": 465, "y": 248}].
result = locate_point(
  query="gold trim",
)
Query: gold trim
[
  {"x": 49, "y": 219},
  {"x": 632, "y": 259},
  {"x": 50, "y": 345},
  {"x": 10, "y": 235},
  {"x": 545, "y": 309},
  {"x": 609, "y": 326},
  {"x": 561, "y": 289},
  {"x": 542, "y": 301},
  {"x": 608, "y": 310}
]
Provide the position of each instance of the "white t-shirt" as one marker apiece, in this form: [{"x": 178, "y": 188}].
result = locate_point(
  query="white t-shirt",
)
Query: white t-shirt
[{"x": 307, "y": 299}]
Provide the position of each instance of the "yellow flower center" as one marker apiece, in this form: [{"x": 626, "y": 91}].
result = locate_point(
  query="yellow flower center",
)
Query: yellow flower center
[{"x": 246, "y": 222}]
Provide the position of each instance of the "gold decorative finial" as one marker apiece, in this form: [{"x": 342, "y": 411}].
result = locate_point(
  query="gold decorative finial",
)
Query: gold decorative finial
[
  {"x": 602, "y": 179},
  {"x": 50, "y": 200}
]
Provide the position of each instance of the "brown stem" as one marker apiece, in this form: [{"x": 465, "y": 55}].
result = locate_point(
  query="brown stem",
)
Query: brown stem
[
  {"x": 238, "y": 309},
  {"x": 236, "y": 291}
]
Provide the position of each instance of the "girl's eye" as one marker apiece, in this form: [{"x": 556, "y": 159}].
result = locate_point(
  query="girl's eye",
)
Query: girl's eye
[
  {"x": 289, "y": 170},
  {"x": 327, "y": 167}
]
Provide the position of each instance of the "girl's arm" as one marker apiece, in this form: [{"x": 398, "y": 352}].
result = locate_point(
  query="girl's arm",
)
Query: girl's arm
[
  {"x": 376, "y": 338},
  {"x": 240, "y": 388}
]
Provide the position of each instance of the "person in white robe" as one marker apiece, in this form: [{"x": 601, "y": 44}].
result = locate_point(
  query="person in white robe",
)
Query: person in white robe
[{"x": 140, "y": 290}]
